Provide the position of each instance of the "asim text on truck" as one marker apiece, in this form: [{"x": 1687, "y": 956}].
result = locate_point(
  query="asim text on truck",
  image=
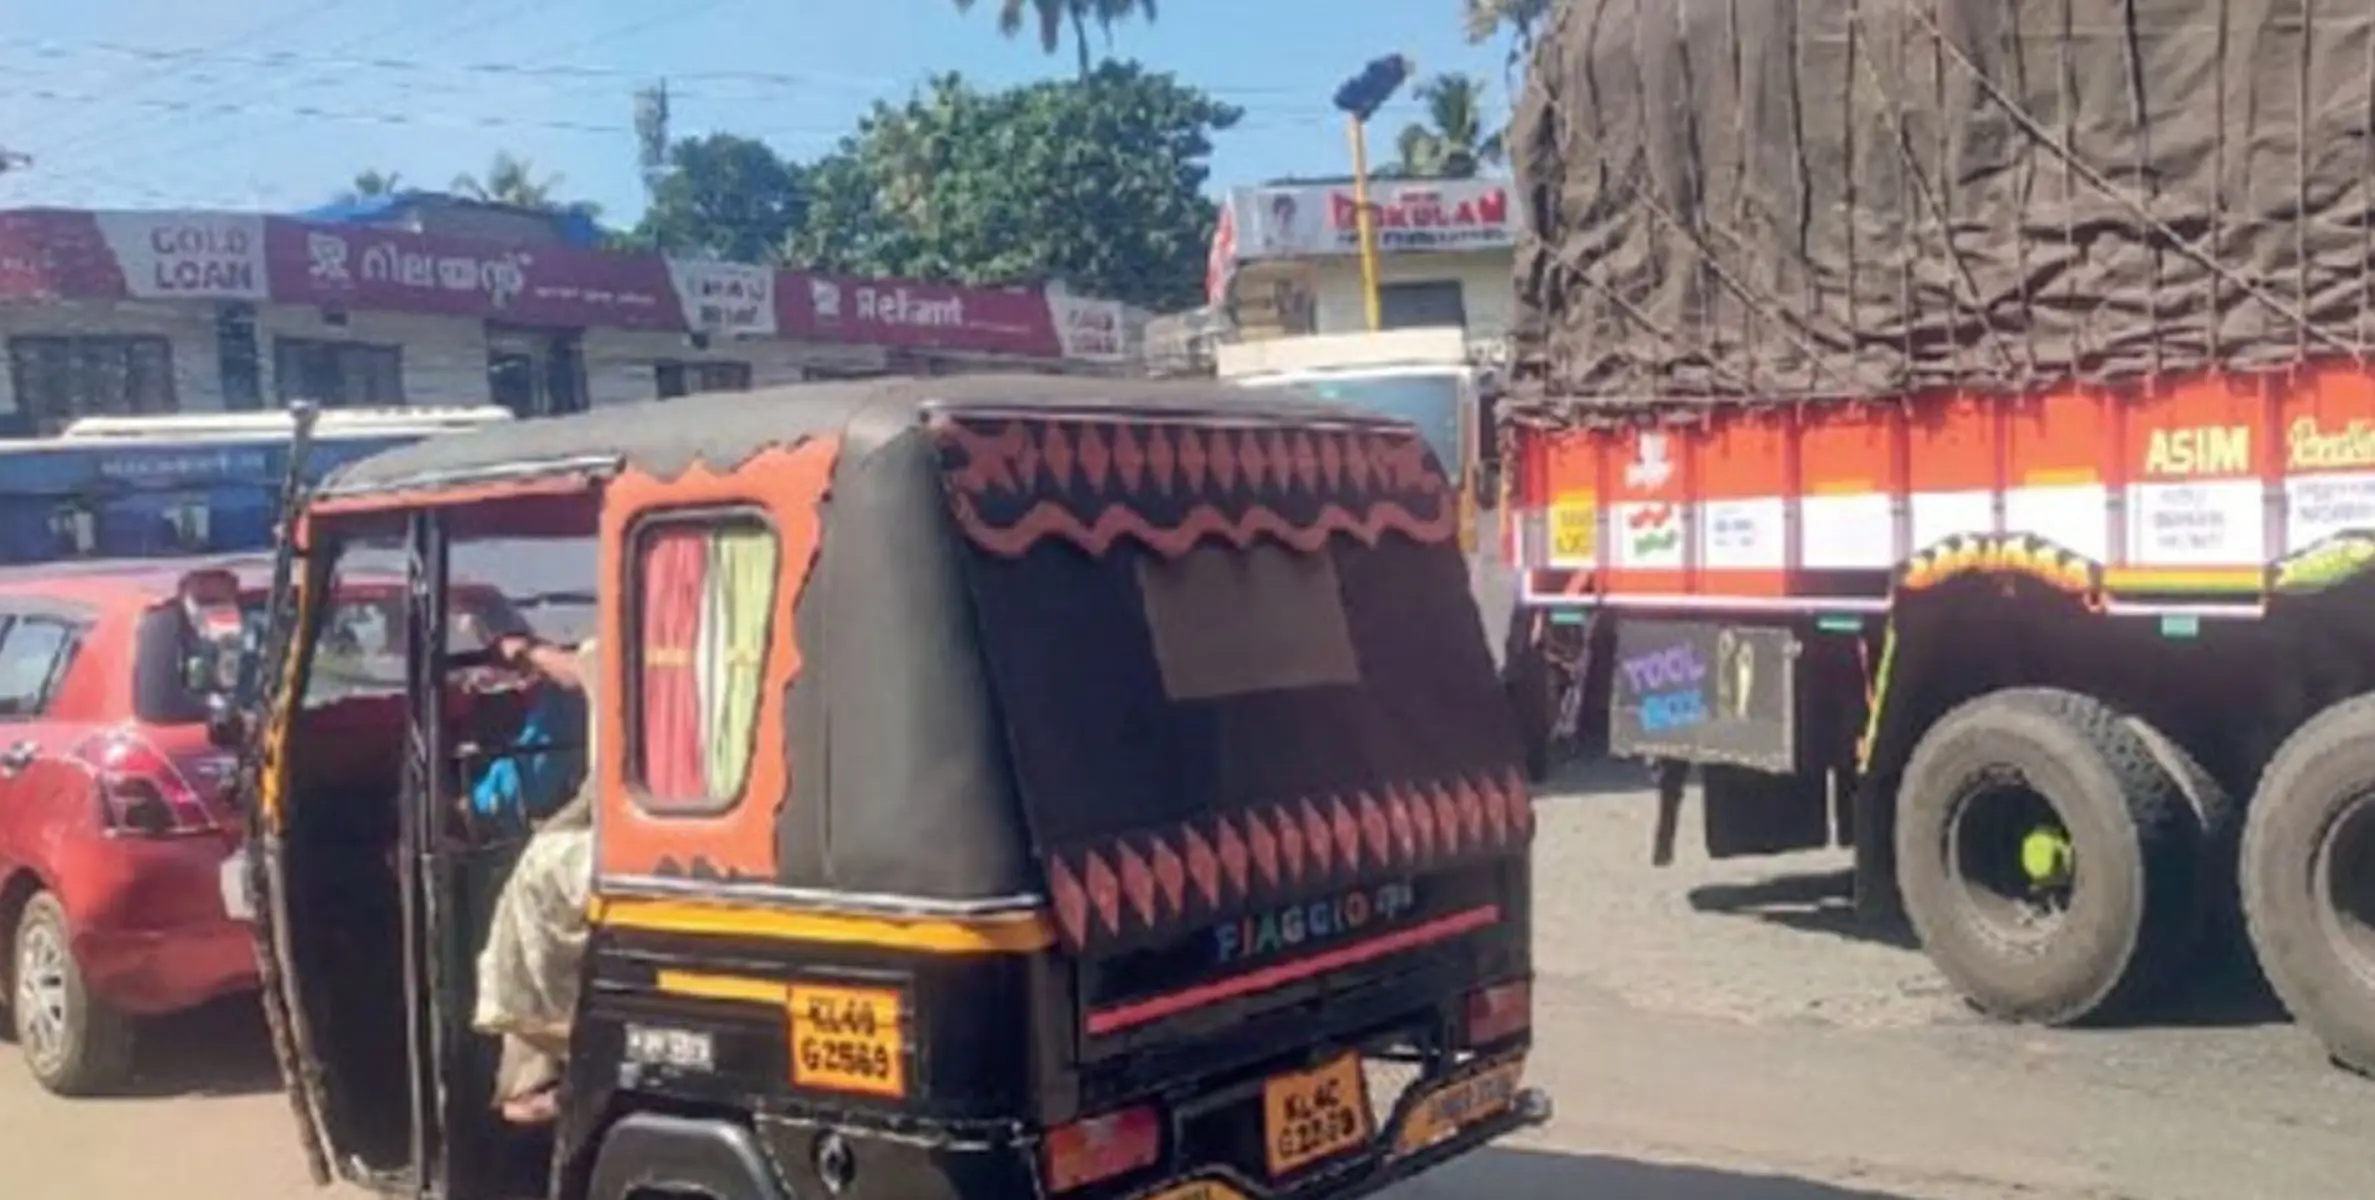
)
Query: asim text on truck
[{"x": 1933, "y": 486}]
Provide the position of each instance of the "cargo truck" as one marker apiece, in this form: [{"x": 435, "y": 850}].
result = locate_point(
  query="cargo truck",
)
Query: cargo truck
[{"x": 1950, "y": 428}]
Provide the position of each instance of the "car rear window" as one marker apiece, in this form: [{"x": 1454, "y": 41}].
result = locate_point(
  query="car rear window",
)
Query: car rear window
[{"x": 360, "y": 652}]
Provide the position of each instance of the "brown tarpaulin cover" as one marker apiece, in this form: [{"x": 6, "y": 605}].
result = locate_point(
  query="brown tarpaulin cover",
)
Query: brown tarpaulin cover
[{"x": 1768, "y": 199}]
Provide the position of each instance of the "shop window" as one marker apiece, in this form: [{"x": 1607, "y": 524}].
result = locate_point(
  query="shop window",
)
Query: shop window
[
  {"x": 1422, "y": 304},
  {"x": 338, "y": 374},
  {"x": 58, "y": 379},
  {"x": 702, "y": 593},
  {"x": 692, "y": 378}
]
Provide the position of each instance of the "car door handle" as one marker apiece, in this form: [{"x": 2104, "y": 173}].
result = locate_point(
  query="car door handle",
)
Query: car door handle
[{"x": 17, "y": 757}]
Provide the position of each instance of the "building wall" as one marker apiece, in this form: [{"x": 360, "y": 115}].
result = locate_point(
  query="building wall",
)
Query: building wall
[
  {"x": 620, "y": 363},
  {"x": 444, "y": 358},
  {"x": 1486, "y": 289},
  {"x": 197, "y": 373}
]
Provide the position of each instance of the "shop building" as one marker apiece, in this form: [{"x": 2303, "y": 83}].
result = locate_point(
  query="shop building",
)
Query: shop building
[
  {"x": 1286, "y": 258},
  {"x": 158, "y": 312}
]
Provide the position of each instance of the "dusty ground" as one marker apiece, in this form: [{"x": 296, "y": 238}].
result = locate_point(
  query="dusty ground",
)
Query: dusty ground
[{"x": 1708, "y": 1034}]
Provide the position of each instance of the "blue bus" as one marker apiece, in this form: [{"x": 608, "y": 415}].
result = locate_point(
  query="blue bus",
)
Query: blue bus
[{"x": 172, "y": 486}]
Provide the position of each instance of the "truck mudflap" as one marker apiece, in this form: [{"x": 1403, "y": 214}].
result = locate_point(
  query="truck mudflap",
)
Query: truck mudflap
[{"x": 1433, "y": 1123}]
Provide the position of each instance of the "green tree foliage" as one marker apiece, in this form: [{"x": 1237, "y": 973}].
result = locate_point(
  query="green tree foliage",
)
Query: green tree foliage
[
  {"x": 1053, "y": 17},
  {"x": 722, "y": 196},
  {"x": 512, "y": 180},
  {"x": 1523, "y": 20},
  {"x": 1097, "y": 181},
  {"x": 1451, "y": 142},
  {"x": 373, "y": 182}
]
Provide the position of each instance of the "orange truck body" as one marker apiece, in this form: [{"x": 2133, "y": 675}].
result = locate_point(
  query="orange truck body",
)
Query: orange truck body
[{"x": 2185, "y": 495}]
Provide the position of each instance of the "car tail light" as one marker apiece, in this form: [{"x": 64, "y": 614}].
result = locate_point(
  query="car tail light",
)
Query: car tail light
[
  {"x": 1496, "y": 1012},
  {"x": 141, "y": 792},
  {"x": 1102, "y": 1147}
]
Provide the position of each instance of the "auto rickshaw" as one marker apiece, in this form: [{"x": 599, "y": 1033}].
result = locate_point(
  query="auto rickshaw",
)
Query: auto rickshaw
[{"x": 1003, "y": 787}]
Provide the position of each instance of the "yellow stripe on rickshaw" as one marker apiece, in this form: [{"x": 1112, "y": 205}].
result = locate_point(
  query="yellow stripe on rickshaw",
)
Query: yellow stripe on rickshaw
[{"x": 1003, "y": 933}]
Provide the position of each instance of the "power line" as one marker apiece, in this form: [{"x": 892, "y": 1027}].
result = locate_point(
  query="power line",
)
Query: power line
[
  {"x": 276, "y": 24},
  {"x": 410, "y": 23},
  {"x": 544, "y": 70}
]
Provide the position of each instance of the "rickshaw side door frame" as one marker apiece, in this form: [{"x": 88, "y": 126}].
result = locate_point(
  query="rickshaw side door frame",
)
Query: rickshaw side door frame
[
  {"x": 288, "y": 654},
  {"x": 455, "y": 1151},
  {"x": 416, "y": 838}
]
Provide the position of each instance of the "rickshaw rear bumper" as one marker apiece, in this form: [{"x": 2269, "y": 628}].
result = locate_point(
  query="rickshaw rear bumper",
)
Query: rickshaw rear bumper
[
  {"x": 966, "y": 1169},
  {"x": 1531, "y": 1108}
]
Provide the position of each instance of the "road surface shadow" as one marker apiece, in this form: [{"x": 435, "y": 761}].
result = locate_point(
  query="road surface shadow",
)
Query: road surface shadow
[
  {"x": 2225, "y": 992},
  {"x": 1822, "y": 902},
  {"x": 222, "y": 1049},
  {"x": 1596, "y": 776},
  {"x": 1505, "y": 1174}
]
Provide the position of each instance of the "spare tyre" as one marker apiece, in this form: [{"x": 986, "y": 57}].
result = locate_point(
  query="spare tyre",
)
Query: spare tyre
[
  {"x": 2055, "y": 870},
  {"x": 2309, "y": 878}
]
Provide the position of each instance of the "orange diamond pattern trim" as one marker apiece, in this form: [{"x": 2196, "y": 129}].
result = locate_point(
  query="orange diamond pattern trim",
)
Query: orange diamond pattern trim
[{"x": 1213, "y": 867}]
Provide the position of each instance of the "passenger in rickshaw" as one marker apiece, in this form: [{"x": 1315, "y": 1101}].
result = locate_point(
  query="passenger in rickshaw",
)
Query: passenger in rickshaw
[{"x": 528, "y": 972}]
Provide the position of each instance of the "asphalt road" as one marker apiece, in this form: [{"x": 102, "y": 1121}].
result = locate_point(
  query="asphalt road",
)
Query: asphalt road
[{"x": 1707, "y": 1034}]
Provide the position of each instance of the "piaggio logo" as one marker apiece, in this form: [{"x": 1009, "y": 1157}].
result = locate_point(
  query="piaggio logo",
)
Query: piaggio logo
[{"x": 1296, "y": 926}]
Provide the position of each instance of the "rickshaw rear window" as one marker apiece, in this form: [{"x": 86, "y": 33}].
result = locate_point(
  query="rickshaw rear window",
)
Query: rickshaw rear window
[
  {"x": 1225, "y": 622},
  {"x": 1141, "y": 689},
  {"x": 702, "y": 590}
]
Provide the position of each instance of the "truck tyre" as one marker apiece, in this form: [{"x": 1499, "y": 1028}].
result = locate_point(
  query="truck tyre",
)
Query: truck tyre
[
  {"x": 2053, "y": 868},
  {"x": 72, "y": 1042},
  {"x": 2309, "y": 878},
  {"x": 2220, "y": 821}
]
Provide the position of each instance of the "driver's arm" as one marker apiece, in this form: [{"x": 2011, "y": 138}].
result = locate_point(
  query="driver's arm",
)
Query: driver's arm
[{"x": 553, "y": 663}]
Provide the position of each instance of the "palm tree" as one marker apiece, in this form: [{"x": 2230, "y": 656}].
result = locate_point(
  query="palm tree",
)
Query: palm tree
[
  {"x": 510, "y": 180},
  {"x": 1523, "y": 19},
  {"x": 1451, "y": 142},
  {"x": 1053, "y": 16},
  {"x": 373, "y": 182}
]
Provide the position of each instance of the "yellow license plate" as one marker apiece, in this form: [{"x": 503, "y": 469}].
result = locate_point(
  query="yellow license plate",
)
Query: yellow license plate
[
  {"x": 1317, "y": 1114},
  {"x": 1459, "y": 1104},
  {"x": 1202, "y": 1189}
]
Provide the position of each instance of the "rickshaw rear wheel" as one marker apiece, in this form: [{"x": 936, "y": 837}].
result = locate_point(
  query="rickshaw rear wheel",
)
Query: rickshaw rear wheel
[{"x": 73, "y": 1043}]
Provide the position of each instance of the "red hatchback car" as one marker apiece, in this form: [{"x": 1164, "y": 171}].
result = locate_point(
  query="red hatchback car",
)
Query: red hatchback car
[{"x": 114, "y": 826}]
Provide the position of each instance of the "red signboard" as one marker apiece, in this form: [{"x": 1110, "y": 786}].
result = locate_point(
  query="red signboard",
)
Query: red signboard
[
  {"x": 388, "y": 270},
  {"x": 895, "y": 312},
  {"x": 51, "y": 254}
]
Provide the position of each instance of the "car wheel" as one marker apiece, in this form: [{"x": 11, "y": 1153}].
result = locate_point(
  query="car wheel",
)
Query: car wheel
[
  {"x": 74, "y": 1044},
  {"x": 2309, "y": 878},
  {"x": 2056, "y": 871}
]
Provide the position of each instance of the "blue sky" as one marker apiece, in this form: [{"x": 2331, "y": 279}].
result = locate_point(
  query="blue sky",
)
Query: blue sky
[{"x": 275, "y": 104}]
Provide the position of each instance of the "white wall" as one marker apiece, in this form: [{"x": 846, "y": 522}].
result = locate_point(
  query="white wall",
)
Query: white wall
[
  {"x": 620, "y": 363},
  {"x": 445, "y": 358},
  {"x": 1486, "y": 288},
  {"x": 197, "y": 376}
]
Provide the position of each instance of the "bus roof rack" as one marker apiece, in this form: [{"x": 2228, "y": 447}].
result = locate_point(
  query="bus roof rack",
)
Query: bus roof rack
[{"x": 276, "y": 422}]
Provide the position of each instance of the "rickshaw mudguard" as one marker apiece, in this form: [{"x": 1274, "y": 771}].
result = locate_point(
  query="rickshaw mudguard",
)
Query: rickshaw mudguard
[{"x": 656, "y": 1154}]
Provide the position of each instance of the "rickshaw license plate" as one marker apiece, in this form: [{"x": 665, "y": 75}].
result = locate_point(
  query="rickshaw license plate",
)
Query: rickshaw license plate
[{"x": 1316, "y": 1114}]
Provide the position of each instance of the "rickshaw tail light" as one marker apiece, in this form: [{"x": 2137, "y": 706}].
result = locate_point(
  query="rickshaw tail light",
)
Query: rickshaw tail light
[
  {"x": 141, "y": 792},
  {"x": 1102, "y": 1147},
  {"x": 1496, "y": 1012}
]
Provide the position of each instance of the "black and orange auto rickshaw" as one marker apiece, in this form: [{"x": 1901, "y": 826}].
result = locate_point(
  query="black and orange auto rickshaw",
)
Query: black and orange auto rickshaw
[{"x": 1003, "y": 787}]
